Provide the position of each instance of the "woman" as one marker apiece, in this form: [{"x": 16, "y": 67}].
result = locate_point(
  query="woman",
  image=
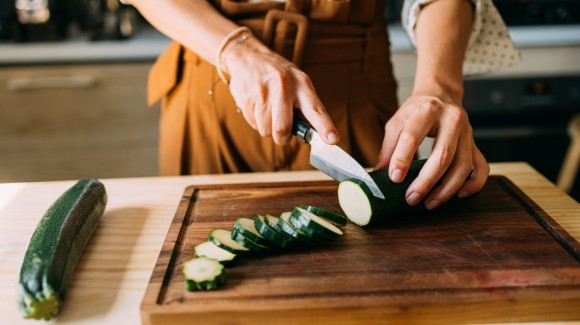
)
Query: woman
[{"x": 332, "y": 65}]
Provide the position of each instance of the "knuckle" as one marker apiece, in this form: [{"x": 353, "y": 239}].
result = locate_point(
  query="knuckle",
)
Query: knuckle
[
  {"x": 445, "y": 156},
  {"x": 410, "y": 139},
  {"x": 432, "y": 106}
]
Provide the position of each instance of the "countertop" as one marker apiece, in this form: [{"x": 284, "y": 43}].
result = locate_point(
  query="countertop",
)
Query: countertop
[
  {"x": 116, "y": 266},
  {"x": 148, "y": 44}
]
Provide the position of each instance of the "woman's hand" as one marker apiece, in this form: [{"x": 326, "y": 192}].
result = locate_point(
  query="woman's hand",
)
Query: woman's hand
[
  {"x": 267, "y": 88},
  {"x": 454, "y": 152}
]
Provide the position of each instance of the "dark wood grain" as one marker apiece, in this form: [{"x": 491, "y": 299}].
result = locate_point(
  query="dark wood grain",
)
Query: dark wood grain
[{"x": 494, "y": 257}]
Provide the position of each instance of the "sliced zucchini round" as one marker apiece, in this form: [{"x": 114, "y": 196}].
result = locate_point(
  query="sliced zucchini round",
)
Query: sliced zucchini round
[
  {"x": 203, "y": 273},
  {"x": 223, "y": 238},
  {"x": 211, "y": 250},
  {"x": 274, "y": 223},
  {"x": 314, "y": 226},
  {"x": 248, "y": 243},
  {"x": 336, "y": 219},
  {"x": 271, "y": 234},
  {"x": 285, "y": 225},
  {"x": 246, "y": 227}
]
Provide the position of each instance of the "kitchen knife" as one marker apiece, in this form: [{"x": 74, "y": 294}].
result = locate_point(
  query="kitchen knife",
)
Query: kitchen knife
[{"x": 331, "y": 159}]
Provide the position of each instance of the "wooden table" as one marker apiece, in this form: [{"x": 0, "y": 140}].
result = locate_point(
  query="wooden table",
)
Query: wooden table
[{"x": 112, "y": 276}]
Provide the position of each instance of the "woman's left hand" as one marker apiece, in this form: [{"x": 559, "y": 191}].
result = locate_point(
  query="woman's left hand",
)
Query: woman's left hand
[{"x": 455, "y": 160}]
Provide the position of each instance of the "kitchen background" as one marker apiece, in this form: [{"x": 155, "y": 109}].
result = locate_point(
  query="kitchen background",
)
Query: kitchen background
[{"x": 73, "y": 88}]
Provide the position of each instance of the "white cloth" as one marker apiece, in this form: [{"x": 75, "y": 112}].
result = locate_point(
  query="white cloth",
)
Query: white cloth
[{"x": 490, "y": 47}]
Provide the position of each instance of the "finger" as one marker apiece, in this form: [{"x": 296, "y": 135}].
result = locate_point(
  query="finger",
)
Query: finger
[
  {"x": 410, "y": 138},
  {"x": 313, "y": 110},
  {"x": 443, "y": 152},
  {"x": 262, "y": 112},
  {"x": 263, "y": 117},
  {"x": 392, "y": 132},
  {"x": 282, "y": 111},
  {"x": 248, "y": 112},
  {"x": 457, "y": 173},
  {"x": 478, "y": 177}
]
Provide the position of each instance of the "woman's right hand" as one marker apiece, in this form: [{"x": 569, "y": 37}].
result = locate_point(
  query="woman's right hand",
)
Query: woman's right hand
[{"x": 267, "y": 87}]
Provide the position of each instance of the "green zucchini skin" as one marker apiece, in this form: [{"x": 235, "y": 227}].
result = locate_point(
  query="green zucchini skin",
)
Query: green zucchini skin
[
  {"x": 394, "y": 203},
  {"x": 336, "y": 219},
  {"x": 56, "y": 246}
]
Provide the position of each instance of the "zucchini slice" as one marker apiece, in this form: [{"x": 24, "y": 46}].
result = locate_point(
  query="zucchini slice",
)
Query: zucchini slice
[
  {"x": 248, "y": 243},
  {"x": 56, "y": 247},
  {"x": 363, "y": 208},
  {"x": 313, "y": 226},
  {"x": 271, "y": 234},
  {"x": 274, "y": 223},
  {"x": 246, "y": 227},
  {"x": 285, "y": 225},
  {"x": 336, "y": 219},
  {"x": 203, "y": 273},
  {"x": 211, "y": 250},
  {"x": 223, "y": 239}
]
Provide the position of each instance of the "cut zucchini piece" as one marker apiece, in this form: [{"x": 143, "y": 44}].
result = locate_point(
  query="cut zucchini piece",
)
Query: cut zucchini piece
[
  {"x": 223, "y": 239},
  {"x": 246, "y": 227},
  {"x": 363, "y": 208},
  {"x": 336, "y": 219},
  {"x": 274, "y": 223},
  {"x": 203, "y": 273},
  {"x": 285, "y": 225},
  {"x": 248, "y": 243},
  {"x": 313, "y": 226},
  {"x": 211, "y": 250},
  {"x": 271, "y": 234}
]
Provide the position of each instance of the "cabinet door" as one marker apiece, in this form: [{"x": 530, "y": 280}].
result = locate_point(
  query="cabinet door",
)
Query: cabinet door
[{"x": 76, "y": 121}]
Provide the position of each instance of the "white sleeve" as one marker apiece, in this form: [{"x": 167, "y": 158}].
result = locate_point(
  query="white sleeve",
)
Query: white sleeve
[{"x": 490, "y": 47}]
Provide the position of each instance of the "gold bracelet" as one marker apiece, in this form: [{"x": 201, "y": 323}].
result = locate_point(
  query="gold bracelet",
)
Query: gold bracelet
[{"x": 240, "y": 31}]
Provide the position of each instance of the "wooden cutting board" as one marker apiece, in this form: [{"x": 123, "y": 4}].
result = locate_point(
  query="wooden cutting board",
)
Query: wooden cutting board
[{"x": 493, "y": 257}]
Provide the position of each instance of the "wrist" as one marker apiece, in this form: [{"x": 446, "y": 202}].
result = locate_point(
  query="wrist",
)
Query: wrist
[
  {"x": 446, "y": 90},
  {"x": 236, "y": 37}
]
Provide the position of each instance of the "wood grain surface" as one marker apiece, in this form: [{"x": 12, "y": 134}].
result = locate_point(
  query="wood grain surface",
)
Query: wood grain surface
[{"x": 494, "y": 257}]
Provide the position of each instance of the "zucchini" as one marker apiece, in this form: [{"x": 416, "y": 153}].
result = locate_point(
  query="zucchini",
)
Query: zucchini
[
  {"x": 271, "y": 234},
  {"x": 313, "y": 226},
  {"x": 210, "y": 250},
  {"x": 203, "y": 273},
  {"x": 248, "y": 243},
  {"x": 285, "y": 225},
  {"x": 246, "y": 227},
  {"x": 274, "y": 223},
  {"x": 363, "y": 208},
  {"x": 223, "y": 238},
  {"x": 336, "y": 219},
  {"x": 56, "y": 247}
]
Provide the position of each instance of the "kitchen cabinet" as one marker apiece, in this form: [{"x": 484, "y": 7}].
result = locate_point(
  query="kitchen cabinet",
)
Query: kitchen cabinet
[{"x": 76, "y": 121}]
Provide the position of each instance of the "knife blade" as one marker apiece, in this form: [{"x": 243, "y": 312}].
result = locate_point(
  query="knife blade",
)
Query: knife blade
[{"x": 331, "y": 159}]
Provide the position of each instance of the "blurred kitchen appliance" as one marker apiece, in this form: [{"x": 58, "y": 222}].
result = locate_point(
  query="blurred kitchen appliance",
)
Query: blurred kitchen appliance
[
  {"x": 109, "y": 19},
  {"x": 524, "y": 119},
  {"x": 539, "y": 12},
  {"x": 7, "y": 19}
]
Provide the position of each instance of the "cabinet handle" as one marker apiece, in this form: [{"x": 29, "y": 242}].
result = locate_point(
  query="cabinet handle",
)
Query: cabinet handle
[{"x": 32, "y": 83}]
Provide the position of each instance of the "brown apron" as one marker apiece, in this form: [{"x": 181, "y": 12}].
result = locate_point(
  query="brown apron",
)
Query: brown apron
[{"x": 341, "y": 45}]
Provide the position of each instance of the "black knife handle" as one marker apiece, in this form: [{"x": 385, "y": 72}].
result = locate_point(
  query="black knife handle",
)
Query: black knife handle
[{"x": 301, "y": 129}]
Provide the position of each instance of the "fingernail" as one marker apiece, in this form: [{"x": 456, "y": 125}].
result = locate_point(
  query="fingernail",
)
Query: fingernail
[
  {"x": 413, "y": 198},
  {"x": 463, "y": 194},
  {"x": 396, "y": 176},
  {"x": 432, "y": 204},
  {"x": 331, "y": 137}
]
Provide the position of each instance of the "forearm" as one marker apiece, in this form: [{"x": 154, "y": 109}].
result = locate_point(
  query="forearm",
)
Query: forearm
[
  {"x": 194, "y": 23},
  {"x": 442, "y": 32}
]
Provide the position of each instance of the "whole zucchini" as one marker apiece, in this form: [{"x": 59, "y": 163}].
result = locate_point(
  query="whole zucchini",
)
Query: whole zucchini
[
  {"x": 56, "y": 247},
  {"x": 363, "y": 208}
]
